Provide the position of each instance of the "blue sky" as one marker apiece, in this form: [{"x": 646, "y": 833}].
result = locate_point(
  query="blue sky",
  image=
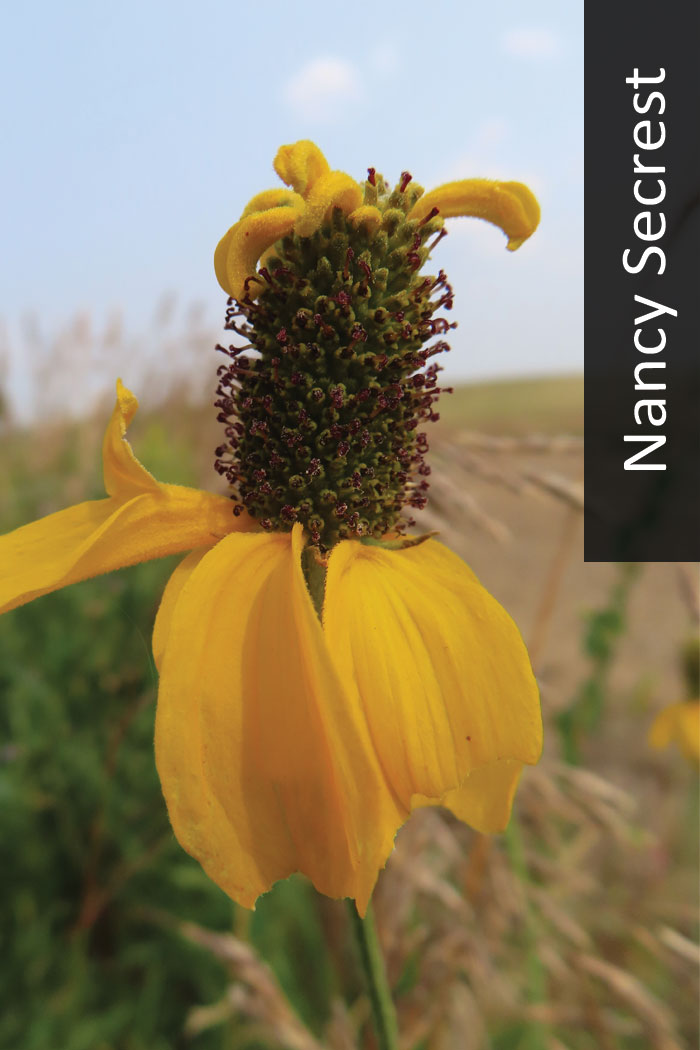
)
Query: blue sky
[{"x": 135, "y": 133}]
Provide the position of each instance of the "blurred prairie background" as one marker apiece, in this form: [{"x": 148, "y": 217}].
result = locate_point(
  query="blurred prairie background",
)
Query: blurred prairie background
[{"x": 136, "y": 135}]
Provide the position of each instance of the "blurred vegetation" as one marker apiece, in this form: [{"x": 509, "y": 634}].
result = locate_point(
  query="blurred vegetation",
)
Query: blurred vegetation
[
  {"x": 604, "y": 629},
  {"x": 89, "y": 868},
  {"x": 576, "y": 930}
]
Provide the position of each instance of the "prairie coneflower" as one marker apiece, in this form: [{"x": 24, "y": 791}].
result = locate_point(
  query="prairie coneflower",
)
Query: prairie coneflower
[
  {"x": 679, "y": 723},
  {"x": 321, "y": 673}
]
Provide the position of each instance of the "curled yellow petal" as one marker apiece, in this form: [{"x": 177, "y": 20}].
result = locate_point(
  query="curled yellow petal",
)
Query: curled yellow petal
[
  {"x": 437, "y": 665},
  {"x": 300, "y": 165},
  {"x": 265, "y": 764},
  {"x": 510, "y": 205},
  {"x": 272, "y": 199},
  {"x": 122, "y": 472},
  {"x": 332, "y": 190},
  {"x": 221, "y": 258},
  {"x": 140, "y": 520},
  {"x": 238, "y": 251},
  {"x": 366, "y": 215}
]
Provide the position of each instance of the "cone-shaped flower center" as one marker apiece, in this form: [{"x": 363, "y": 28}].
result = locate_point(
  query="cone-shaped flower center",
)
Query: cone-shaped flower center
[{"x": 322, "y": 422}]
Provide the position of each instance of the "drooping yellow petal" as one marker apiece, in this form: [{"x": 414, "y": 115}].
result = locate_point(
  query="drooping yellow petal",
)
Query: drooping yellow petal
[
  {"x": 278, "y": 198},
  {"x": 678, "y": 723},
  {"x": 238, "y": 251},
  {"x": 178, "y": 579},
  {"x": 300, "y": 165},
  {"x": 485, "y": 799},
  {"x": 438, "y": 665},
  {"x": 510, "y": 205},
  {"x": 332, "y": 190},
  {"x": 140, "y": 520},
  {"x": 265, "y": 763},
  {"x": 366, "y": 215}
]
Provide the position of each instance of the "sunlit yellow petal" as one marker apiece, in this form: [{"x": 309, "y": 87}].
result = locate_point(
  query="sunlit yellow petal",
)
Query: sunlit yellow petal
[
  {"x": 485, "y": 799},
  {"x": 366, "y": 215},
  {"x": 510, "y": 205},
  {"x": 256, "y": 742},
  {"x": 333, "y": 190},
  {"x": 278, "y": 198},
  {"x": 238, "y": 251},
  {"x": 438, "y": 665},
  {"x": 300, "y": 165}
]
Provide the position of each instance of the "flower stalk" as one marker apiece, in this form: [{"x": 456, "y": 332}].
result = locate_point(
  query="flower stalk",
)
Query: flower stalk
[{"x": 383, "y": 1011}]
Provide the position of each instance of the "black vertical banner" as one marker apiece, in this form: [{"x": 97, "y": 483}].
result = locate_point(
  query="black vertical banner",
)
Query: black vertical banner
[{"x": 642, "y": 274}]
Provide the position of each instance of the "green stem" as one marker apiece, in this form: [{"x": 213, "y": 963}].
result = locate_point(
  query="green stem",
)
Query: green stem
[
  {"x": 383, "y": 1010},
  {"x": 536, "y": 1038}
]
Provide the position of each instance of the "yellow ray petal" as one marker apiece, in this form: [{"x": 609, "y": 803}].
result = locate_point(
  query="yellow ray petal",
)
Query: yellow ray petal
[
  {"x": 141, "y": 520},
  {"x": 278, "y": 198},
  {"x": 123, "y": 474},
  {"x": 439, "y": 666},
  {"x": 300, "y": 165},
  {"x": 238, "y": 251},
  {"x": 161, "y": 627},
  {"x": 333, "y": 190},
  {"x": 663, "y": 728},
  {"x": 678, "y": 723},
  {"x": 265, "y": 201},
  {"x": 102, "y": 535},
  {"x": 221, "y": 258},
  {"x": 198, "y": 820},
  {"x": 485, "y": 799},
  {"x": 510, "y": 205},
  {"x": 256, "y": 744}
]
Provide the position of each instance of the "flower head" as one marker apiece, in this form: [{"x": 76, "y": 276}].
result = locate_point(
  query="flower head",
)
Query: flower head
[
  {"x": 348, "y": 332},
  {"x": 678, "y": 724},
  {"x": 321, "y": 675}
]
